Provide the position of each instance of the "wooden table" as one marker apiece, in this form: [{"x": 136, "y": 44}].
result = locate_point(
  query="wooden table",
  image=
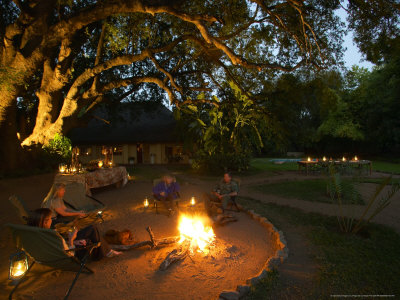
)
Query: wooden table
[
  {"x": 99, "y": 178},
  {"x": 359, "y": 163},
  {"x": 306, "y": 164}
]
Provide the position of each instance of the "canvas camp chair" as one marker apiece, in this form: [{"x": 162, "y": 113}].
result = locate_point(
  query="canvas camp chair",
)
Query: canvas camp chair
[
  {"x": 20, "y": 207},
  {"x": 45, "y": 246},
  {"x": 158, "y": 202},
  {"x": 76, "y": 197}
]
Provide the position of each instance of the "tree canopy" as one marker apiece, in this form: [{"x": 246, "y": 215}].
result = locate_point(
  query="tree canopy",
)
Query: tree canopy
[{"x": 60, "y": 58}]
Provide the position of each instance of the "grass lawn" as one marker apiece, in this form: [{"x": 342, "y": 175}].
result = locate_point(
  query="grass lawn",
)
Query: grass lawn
[
  {"x": 313, "y": 190},
  {"x": 348, "y": 264},
  {"x": 387, "y": 167},
  {"x": 264, "y": 164}
]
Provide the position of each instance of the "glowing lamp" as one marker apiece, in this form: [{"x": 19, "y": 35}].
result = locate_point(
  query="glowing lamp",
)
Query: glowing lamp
[
  {"x": 343, "y": 158},
  {"x": 324, "y": 158},
  {"x": 62, "y": 168},
  {"x": 193, "y": 201},
  {"x": 309, "y": 159},
  {"x": 110, "y": 163},
  {"x": 356, "y": 158},
  {"x": 146, "y": 203},
  {"x": 73, "y": 170},
  {"x": 100, "y": 163},
  {"x": 18, "y": 265}
]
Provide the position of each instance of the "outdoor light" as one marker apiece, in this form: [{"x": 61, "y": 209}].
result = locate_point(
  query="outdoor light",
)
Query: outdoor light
[
  {"x": 309, "y": 159},
  {"x": 356, "y": 158},
  {"x": 146, "y": 203},
  {"x": 110, "y": 163},
  {"x": 18, "y": 265},
  {"x": 324, "y": 158},
  {"x": 193, "y": 201},
  {"x": 73, "y": 170},
  {"x": 100, "y": 163},
  {"x": 343, "y": 158},
  {"x": 62, "y": 168}
]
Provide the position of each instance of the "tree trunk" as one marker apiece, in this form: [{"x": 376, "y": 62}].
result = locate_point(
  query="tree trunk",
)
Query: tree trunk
[{"x": 10, "y": 149}]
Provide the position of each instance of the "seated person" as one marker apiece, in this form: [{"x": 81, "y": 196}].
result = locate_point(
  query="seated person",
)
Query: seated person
[
  {"x": 59, "y": 212},
  {"x": 167, "y": 191},
  {"x": 42, "y": 218},
  {"x": 226, "y": 190}
]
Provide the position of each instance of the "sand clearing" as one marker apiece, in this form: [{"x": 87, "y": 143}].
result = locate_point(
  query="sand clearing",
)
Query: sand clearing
[{"x": 240, "y": 251}]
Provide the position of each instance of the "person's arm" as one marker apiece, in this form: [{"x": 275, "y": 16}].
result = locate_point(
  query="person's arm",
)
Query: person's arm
[
  {"x": 67, "y": 212},
  {"x": 234, "y": 189},
  {"x": 159, "y": 189}
]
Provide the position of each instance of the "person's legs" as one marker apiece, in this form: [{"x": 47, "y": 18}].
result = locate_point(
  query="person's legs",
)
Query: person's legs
[{"x": 92, "y": 233}]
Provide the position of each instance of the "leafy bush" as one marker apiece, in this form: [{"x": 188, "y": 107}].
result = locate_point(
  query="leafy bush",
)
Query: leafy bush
[
  {"x": 58, "y": 149},
  {"x": 216, "y": 162}
]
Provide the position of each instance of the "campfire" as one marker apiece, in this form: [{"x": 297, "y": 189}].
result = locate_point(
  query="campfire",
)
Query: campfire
[
  {"x": 195, "y": 233},
  {"x": 195, "y": 237}
]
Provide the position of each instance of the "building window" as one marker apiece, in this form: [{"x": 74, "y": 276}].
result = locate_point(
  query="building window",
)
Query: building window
[
  {"x": 85, "y": 151},
  {"x": 117, "y": 150}
]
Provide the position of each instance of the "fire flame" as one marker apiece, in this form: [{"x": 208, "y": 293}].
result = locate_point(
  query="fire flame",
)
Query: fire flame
[{"x": 192, "y": 229}]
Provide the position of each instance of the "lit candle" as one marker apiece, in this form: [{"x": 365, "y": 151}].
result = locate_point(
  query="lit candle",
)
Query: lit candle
[
  {"x": 73, "y": 170},
  {"x": 355, "y": 158},
  {"x": 309, "y": 159},
  {"x": 110, "y": 163},
  {"x": 324, "y": 158},
  {"x": 343, "y": 158},
  {"x": 146, "y": 203},
  {"x": 193, "y": 201},
  {"x": 61, "y": 168},
  {"x": 100, "y": 163}
]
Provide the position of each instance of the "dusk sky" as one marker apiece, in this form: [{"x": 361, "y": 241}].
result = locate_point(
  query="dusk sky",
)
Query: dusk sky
[{"x": 352, "y": 56}]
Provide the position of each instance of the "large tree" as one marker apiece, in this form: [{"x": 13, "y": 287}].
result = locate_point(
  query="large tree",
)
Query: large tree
[{"x": 63, "y": 57}]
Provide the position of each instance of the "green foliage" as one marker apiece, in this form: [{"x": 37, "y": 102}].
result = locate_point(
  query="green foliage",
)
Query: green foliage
[
  {"x": 374, "y": 205},
  {"x": 59, "y": 148},
  {"x": 224, "y": 135}
]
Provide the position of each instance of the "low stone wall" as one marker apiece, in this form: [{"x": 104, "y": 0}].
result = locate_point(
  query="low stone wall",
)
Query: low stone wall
[{"x": 282, "y": 252}]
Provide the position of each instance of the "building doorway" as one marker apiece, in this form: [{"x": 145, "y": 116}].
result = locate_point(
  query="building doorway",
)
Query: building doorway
[{"x": 139, "y": 153}]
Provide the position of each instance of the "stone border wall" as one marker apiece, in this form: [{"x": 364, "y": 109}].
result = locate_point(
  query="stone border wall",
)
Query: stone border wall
[{"x": 282, "y": 252}]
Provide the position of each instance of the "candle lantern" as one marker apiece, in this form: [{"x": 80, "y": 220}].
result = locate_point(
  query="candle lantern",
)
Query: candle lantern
[
  {"x": 18, "y": 265},
  {"x": 100, "y": 164},
  {"x": 343, "y": 158},
  {"x": 146, "y": 203},
  {"x": 324, "y": 158},
  {"x": 62, "y": 168},
  {"x": 356, "y": 158},
  {"x": 193, "y": 201},
  {"x": 309, "y": 159}
]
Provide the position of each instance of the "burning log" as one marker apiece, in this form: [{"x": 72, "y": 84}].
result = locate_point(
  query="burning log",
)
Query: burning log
[
  {"x": 175, "y": 255},
  {"x": 153, "y": 243}
]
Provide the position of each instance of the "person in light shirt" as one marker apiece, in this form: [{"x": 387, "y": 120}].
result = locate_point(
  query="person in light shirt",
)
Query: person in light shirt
[{"x": 59, "y": 212}]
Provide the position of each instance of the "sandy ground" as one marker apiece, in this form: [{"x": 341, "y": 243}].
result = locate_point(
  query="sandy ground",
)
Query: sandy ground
[{"x": 240, "y": 251}]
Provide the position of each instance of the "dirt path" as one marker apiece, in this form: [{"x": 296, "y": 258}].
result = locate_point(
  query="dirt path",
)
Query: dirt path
[{"x": 389, "y": 216}]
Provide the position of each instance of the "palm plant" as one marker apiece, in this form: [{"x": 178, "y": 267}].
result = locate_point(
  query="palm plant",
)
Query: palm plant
[{"x": 376, "y": 203}]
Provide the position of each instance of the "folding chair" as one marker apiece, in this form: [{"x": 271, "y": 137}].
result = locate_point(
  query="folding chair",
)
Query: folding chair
[
  {"x": 46, "y": 246},
  {"x": 76, "y": 197},
  {"x": 20, "y": 207},
  {"x": 157, "y": 202}
]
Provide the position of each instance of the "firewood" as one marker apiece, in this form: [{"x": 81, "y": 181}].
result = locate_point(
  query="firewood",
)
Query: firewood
[
  {"x": 159, "y": 243},
  {"x": 175, "y": 255}
]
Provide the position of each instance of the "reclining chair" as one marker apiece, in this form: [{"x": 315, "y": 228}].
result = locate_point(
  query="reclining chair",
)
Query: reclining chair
[{"x": 45, "y": 246}]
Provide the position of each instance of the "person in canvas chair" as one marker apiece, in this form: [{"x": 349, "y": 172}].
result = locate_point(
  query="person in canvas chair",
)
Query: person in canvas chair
[{"x": 167, "y": 191}]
